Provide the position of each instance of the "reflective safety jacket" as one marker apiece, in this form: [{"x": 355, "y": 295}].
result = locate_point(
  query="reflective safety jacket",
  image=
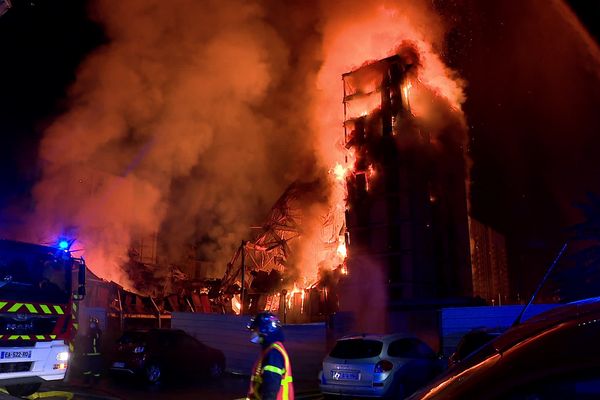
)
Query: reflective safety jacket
[{"x": 264, "y": 370}]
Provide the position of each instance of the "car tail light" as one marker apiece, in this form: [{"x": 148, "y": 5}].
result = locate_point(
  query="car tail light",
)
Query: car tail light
[
  {"x": 139, "y": 349},
  {"x": 383, "y": 366}
]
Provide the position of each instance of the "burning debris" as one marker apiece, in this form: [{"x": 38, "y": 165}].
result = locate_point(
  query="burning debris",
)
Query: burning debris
[{"x": 264, "y": 273}]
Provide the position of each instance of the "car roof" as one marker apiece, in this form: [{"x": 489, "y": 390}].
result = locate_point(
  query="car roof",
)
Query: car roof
[
  {"x": 380, "y": 337},
  {"x": 154, "y": 331},
  {"x": 583, "y": 309}
]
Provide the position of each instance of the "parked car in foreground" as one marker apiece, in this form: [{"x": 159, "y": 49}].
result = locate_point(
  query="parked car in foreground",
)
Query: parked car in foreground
[
  {"x": 162, "y": 353},
  {"x": 554, "y": 355},
  {"x": 378, "y": 366}
]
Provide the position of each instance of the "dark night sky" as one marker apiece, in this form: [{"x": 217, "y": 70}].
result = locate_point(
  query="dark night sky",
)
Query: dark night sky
[{"x": 522, "y": 155}]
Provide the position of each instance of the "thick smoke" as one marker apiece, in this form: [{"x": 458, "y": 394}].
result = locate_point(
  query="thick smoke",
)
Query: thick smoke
[
  {"x": 195, "y": 116},
  {"x": 167, "y": 128}
]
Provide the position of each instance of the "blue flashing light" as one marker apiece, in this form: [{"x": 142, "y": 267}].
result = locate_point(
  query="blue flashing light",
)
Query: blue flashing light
[{"x": 63, "y": 245}]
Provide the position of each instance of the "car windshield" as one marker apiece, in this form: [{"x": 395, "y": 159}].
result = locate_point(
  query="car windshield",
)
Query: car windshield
[
  {"x": 356, "y": 348},
  {"x": 34, "y": 276}
]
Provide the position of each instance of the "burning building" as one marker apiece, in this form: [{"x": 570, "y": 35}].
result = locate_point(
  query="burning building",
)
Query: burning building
[{"x": 406, "y": 218}]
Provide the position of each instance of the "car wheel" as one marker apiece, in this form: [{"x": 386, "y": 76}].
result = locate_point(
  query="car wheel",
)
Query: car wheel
[
  {"x": 215, "y": 370},
  {"x": 153, "y": 372},
  {"x": 22, "y": 390}
]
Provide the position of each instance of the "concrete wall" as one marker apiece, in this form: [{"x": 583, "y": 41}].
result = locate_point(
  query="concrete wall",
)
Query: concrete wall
[
  {"x": 306, "y": 343},
  {"x": 455, "y": 322}
]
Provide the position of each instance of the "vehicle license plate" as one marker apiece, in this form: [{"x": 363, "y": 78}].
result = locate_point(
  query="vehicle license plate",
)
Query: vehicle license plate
[
  {"x": 4, "y": 355},
  {"x": 119, "y": 365},
  {"x": 344, "y": 375}
]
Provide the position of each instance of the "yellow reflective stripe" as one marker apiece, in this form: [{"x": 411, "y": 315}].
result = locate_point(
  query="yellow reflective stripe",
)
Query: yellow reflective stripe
[
  {"x": 31, "y": 308},
  {"x": 285, "y": 382},
  {"x": 15, "y": 337},
  {"x": 40, "y": 337},
  {"x": 59, "y": 310},
  {"x": 274, "y": 369},
  {"x": 285, "y": 385},
  {"x": 284, "y": 354},
  {"x": 15, "y": 307},
  {"x": 52, "y": 336},
  {"x": 45, "y": 309},
  {"x": 54, "y": 393},
  {"x": 2, "y": 304},
  {"x": 75, "y": 325}
]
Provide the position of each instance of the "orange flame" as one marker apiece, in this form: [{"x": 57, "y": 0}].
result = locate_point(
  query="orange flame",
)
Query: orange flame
[
  {"x": 340, "y": 172},
  {"x": 341, "y": 250},
  {"x": 236, "y": 306}
]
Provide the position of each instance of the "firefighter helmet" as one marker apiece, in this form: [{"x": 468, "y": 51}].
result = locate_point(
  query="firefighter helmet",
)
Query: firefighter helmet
[
  {"x": 267, "y": 327},
  {"x": 94, "y": 322}
]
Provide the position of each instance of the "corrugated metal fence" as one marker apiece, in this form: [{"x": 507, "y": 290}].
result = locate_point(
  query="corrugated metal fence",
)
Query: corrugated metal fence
[
  {"x": 457, "y": 321},
  {"x": 306, "y": 343}
]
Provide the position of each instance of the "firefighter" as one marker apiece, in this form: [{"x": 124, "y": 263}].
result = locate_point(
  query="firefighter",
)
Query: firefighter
[
  {"x": 92, "y": 356},
  {"x": 272, "y": 373}
]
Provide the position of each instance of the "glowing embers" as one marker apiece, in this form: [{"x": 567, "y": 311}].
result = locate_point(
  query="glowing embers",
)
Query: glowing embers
[
  {"x": 341, "y": 250},
  {"x": 236, "y": 305},
  {"x": 406, "y": 94},
  {"x": 363, "y": 180}
]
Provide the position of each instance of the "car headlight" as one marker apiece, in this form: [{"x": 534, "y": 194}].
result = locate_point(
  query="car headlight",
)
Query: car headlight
[{"x": 62, "y": 356}]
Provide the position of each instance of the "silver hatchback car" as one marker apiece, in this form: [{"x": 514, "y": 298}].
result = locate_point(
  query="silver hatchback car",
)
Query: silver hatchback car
[{"x": 378, "y": 366}]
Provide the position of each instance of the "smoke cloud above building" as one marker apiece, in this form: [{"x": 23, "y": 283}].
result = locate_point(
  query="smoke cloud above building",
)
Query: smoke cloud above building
[{"x": 193, "y": 117}]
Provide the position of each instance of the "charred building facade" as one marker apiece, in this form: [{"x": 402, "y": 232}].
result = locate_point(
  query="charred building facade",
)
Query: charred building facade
[
  {"x": 406, "y": 219},
  {"x": 489, "y": 264}
]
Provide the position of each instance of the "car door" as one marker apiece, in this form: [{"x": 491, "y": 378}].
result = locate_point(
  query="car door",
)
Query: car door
[
  {"x": 167, "y": 352},
  {"x": 418, "y": 361},
  {"x": 193, "y": 353}
]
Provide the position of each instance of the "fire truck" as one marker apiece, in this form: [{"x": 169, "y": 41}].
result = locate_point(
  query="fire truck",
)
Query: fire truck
[{"x": 40, "y": 287}]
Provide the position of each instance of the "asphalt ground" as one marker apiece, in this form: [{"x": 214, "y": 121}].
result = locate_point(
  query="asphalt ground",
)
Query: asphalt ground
[{"x": 229, "y": 387}]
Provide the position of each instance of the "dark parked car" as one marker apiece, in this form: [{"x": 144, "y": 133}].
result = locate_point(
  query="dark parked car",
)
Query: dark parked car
[
  {"x": 378, "y": 366},
  {"x": 554, "y": 355},
  {"x": 159, "y": 353},
  {"x": 470, "y": 342}
]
